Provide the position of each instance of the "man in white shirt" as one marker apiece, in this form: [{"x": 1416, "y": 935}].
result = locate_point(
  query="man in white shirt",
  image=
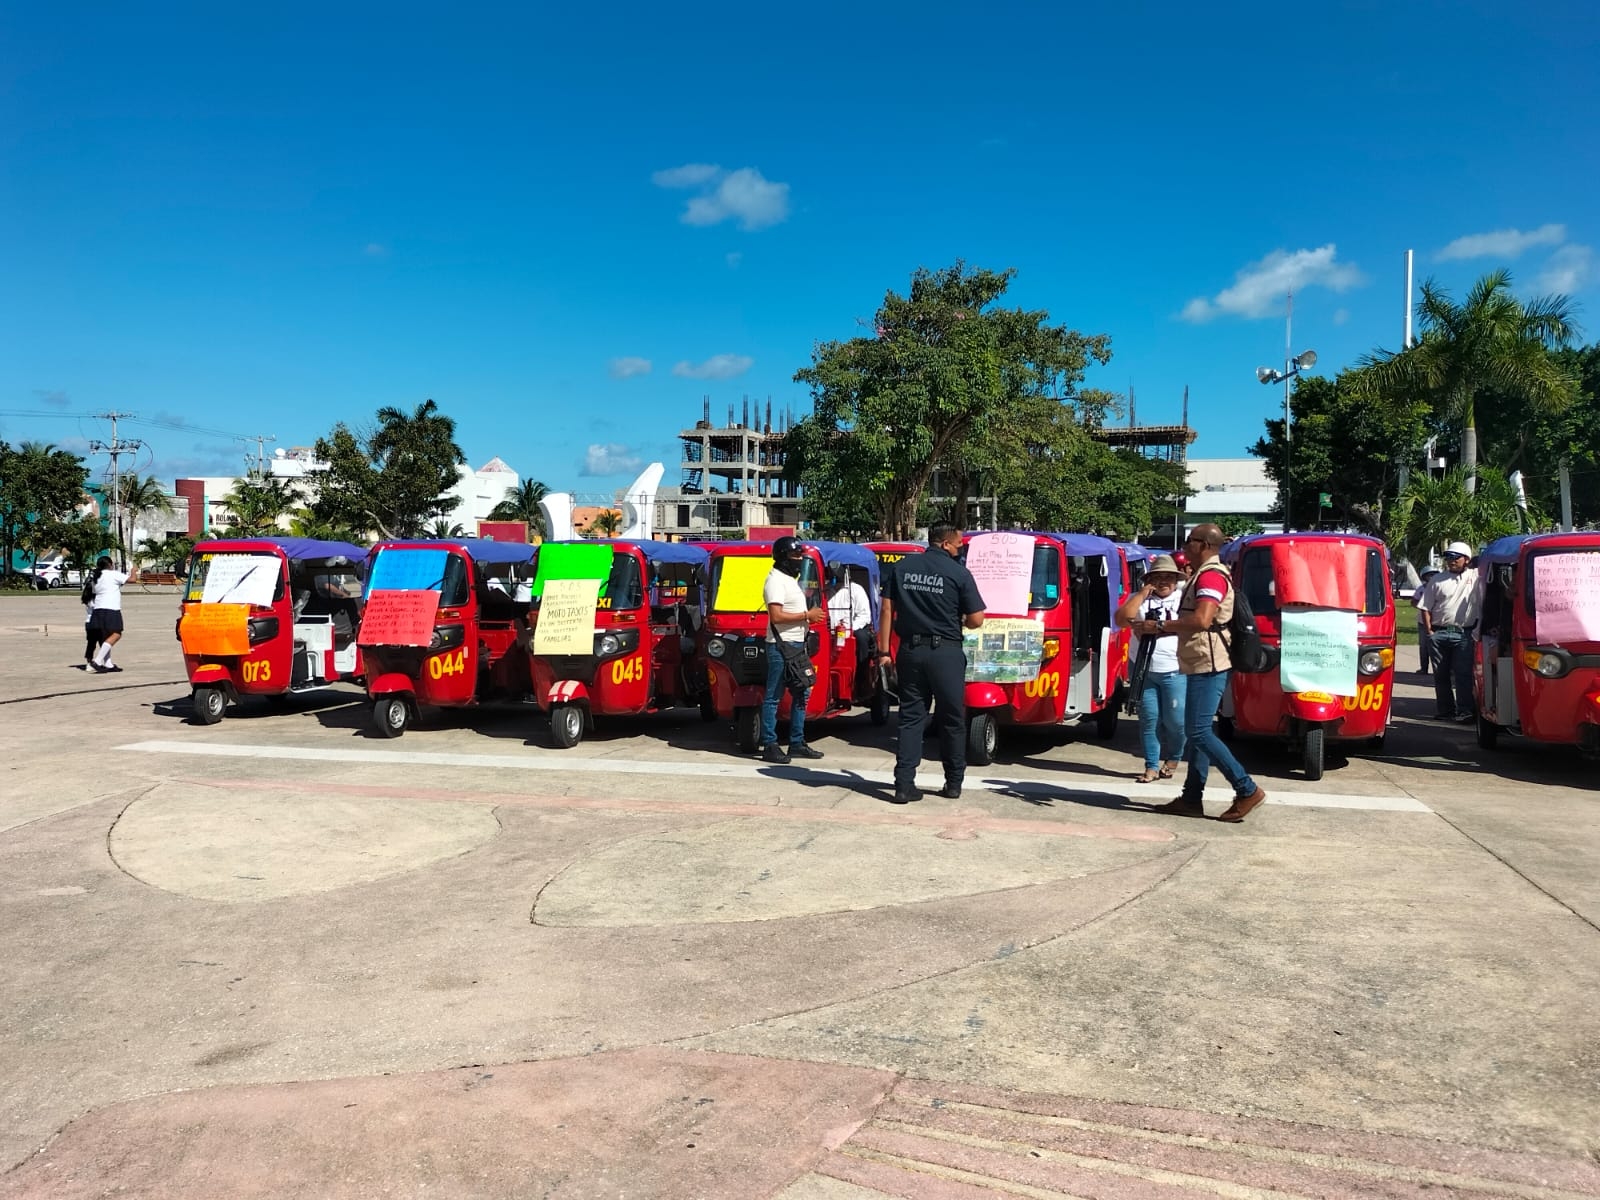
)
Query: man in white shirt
[
  {"x": 789, "y": 621},
  {"x": 848, "y": 606},
  {"x": 1448, "y": 605}
]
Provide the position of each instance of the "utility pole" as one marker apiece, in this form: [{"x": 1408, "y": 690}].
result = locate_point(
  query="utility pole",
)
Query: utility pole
[
  {"x": 261, "y": 440},
  {"x": 116, "y": 449}
]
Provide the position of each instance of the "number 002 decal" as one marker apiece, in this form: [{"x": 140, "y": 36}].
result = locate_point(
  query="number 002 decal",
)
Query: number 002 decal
[
  {"x": 1048, "y": 684},
  {"x": 1368, "y": 699},
  {"x": 441, "y": 665},
  {"x": 626, "y": 670}
]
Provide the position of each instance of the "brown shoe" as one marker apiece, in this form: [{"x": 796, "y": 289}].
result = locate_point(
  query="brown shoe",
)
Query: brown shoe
[
  {"x": 1242, "y": 807},
  {"x": 1182, "y": 807}
]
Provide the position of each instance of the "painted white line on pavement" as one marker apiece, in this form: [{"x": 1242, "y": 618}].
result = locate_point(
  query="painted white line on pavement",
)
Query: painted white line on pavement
[{"x": 711, "y": 769}]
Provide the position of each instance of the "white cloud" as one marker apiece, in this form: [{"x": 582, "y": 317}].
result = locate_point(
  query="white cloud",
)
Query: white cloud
[
  {"x": 745, "y": 195},
  {"x": 55, "y": 397},
  {"x": 1341, "y": 315},
  {"x": 610, "y": 458},
  {"x": 375, "y": 250},
  {"x": 629, "y": 366},
  {"x": 1569, "y": 269},
  {"x": 1258, "y": 289},
  {"x": 688, "y": 175},
  {"x": 718, "y": 366},
  {"x": 1502, "y": 243}
]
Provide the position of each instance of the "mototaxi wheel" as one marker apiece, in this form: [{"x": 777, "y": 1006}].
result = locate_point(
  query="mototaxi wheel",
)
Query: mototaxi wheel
[
  {"x": 1488, "y": 733},
  {"x": 1313, "y": 751},
  {"x": 566, "y": 725},
  {"x": 983, "y": 735},
  {"x": 209, "y": 705},
  {"x": 1105, "y": 721},
  {"x": 391, "y": 715},
  {"x": 747, "y": 728},
  {"x": 708, "y": 707}
]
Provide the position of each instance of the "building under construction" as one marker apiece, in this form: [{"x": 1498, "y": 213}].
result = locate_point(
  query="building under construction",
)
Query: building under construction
[
  {"x": 731, "y": 477},
  {"x": 1166, "y": 443}
]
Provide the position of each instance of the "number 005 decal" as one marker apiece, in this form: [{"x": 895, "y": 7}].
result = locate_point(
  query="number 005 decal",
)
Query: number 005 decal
[
  {"x": 441, "y": 665},
  {"x": 1368, "y": 699},
  {"x": 1048, "y": 684},
  {"x": 257, "y": 672},
  {"x": 626, "y": 670}
]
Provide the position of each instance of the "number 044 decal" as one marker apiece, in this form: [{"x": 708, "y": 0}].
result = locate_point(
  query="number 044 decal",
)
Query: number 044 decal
[
  {"x": 627, "y": 670},
  {"x": 444, "y": 664}
]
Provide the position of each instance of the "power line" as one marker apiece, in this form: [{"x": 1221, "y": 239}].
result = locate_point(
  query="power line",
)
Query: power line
[{"x": 116, "y": 449}]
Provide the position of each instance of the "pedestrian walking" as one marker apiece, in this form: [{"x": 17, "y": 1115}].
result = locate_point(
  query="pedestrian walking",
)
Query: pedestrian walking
[
  {"x": 1160, "y": 687},
  {"x": 105, "y": 616},
  {"x": 1201, "y": 624},
  {"x": 1424, "y": 641},
  {"x": 928, "y": 599},
  {"x": 789, "y": 621},
  {"x": 91, "y": 637},
  {"x": 1448, "y": 604}
]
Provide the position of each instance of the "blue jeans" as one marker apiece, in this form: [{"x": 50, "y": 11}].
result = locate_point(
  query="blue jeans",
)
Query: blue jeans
[
  {"x": 769, "y": 705},
  {"x": 1452, "y": 664},
  {"x": 1161, "y": 706},
  {"x": 1201, "y": 698}
]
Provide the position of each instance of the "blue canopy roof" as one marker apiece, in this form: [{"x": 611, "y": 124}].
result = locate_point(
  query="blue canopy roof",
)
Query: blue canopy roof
[
  {"x": 851, "y": 554},
  {"x": 1137, "y": 553},
  {"x": 1506, "y": 549},
  {"x": 297, "y": 549},
  {"x": 666, "y": 552},
  {"x": 481, "y": 549}
]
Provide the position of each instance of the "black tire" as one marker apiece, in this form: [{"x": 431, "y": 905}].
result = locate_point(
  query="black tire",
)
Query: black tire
[
  {"x": 391, "y": 715},
  {"x": 1313, "y": 751},
  {"x": 1224, "y": 727},
  {"x": 880, "y": 707},
  {"x": 209, "y": 705},
  {"x": 1488, "y": 733},
  {"x": 983, "y": 736},
  {"x": 57, "y": 582},
  {"x": 747, "y": 728},
  {"x": 1105, "y": 722},
  {"x": 708, "y": 707},
  {"x": 566, "y": 725}
]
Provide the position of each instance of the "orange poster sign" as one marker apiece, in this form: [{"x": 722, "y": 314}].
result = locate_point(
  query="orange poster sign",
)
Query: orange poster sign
[
  {"x": 215, "y": 629},
  {"x": 1321, "y": 572},
  {"x": 403, "y": 617}
]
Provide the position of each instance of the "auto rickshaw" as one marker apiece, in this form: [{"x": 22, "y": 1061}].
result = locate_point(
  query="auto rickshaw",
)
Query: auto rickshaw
[
  {"x": 889, "y": 553},
  {"x": 1537, "y": 662},
  {"x": 1335, "y": 589},
  {"x": 269, "y": 617},
  {"x": 445, "y": 624},
  {"x": 640, "y": 651},
  {"x": 1065, "y": 588},
  {"x": 736, "y": 631}
]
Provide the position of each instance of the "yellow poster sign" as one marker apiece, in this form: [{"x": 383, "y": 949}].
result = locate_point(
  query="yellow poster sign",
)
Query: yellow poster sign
[
  {"x": 742, "y": 583},
  {"x": 566, "y": 617},
  {"x": 216, "y": 629}
]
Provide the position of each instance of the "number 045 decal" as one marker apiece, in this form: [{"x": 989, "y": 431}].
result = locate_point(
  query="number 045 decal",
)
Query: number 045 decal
[{"x": 627, "y": 670}]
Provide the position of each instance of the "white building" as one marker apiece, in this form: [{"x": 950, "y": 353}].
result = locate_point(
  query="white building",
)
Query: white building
[
  {"x": 1230, "y": 487},
  {"x": 479, "y": 491}
]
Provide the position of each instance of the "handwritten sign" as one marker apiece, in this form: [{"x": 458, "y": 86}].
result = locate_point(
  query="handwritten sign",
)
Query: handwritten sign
[
  {"x": 742, "y": 584},
  {"x": 406, "y": 570},
  {"x": 241, "y": 579},
  {"x": 401, "y": 617},
  {"x": 566, "y": 617},
  {"x": 215, "y": 629},
  {"x": 560, "y": 560},
  {"x": 1319, "y": 651},
  {"x": 1002, "y": 564},
  {"x": 1321, "y": 572},
  {"x": 1004, "y": 650},
  {"x": 1566, "y": 588}
]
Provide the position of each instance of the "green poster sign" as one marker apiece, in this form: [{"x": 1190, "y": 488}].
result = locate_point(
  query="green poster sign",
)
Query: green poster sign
[{"x": 563, "y": 560}]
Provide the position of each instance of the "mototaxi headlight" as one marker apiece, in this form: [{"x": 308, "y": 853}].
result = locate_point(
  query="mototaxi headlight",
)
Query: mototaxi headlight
[
  {"x": 1370, "y": 662},
  {"x": 717, "y": 648},
  {"x": 1549, "y": 666},
  {"x": 609, "y": 645}
]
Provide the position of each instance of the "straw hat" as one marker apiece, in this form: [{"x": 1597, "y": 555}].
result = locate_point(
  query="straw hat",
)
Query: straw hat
[{"x": 1163, "y": 564}]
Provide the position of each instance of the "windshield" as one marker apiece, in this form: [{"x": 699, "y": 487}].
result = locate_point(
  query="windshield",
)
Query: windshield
[
  {"x": 624, "y": 589},
  {"x": 235, "y": 577},
  {"x": 738, "y": 582},
  {"x": 1254, "y": 573},
  {"x": 1565, "y": 571},
  {"x": 405, "y": 569}
]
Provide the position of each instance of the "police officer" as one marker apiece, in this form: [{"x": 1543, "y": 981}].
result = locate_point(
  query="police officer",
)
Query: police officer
[{"x": 927, "y": 599}]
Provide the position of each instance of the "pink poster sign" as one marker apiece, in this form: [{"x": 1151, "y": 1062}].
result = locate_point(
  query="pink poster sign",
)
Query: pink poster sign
[
  {"x": 1002, "y": 565},
  {"x": 1566, "y": 590}
]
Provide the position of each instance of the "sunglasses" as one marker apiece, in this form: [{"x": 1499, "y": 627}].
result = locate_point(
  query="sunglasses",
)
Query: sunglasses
[{"x": 1455, "y": 558}]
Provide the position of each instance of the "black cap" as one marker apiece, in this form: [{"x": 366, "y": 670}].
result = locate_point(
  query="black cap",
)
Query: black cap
[{"x": 787, "y": 547}]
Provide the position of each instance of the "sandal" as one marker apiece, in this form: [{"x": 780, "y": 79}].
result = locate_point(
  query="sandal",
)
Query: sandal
[
  {"x": 1148, "y": 777},
  {"x": 1168, "y": 770}
]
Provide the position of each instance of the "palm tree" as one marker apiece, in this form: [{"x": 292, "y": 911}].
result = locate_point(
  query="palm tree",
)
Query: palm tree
[
  {"x": 137, "y": 496},
  {"x": 257, "y": 502},
  {"x": 606, "y": 523},
  {"x": 521, "y": 503},
  {"x": 444, "y": 528},
  {"x": 1492, "y": 341},
  {"x": 1433, "y": 511}
]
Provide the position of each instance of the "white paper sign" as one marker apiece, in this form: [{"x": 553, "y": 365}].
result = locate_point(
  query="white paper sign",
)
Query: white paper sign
[{"x": 241, "y": 579}]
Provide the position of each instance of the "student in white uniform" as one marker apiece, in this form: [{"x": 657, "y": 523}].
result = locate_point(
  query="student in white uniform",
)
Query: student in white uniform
[{"x": 106, "y": 617}]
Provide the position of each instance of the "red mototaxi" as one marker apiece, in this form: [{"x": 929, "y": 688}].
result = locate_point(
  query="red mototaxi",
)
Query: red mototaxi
[
  {"x": 476, "y": 639},
  {"x": 303, "y": 596},
  {"x": 646, "y": 657},
  {"x": 735, "y": 633},
  {"x": 1537, "y": 656},
  {"x": 1077, "y": 581},
  {"x": 1257, "y": 705}
]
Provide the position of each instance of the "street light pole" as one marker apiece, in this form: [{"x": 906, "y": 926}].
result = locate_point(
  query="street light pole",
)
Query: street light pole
[{"x": 1293, "y": 364}]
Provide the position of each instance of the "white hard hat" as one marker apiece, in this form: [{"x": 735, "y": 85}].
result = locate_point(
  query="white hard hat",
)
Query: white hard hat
[{"x": 1461, "y": 548}]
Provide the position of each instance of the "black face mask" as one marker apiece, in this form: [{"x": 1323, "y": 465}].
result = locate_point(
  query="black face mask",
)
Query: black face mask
[{"x": 791, "y": 566}]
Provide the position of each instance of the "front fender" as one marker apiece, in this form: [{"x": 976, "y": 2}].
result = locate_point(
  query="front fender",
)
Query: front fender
[
  {"x": 987, "y": 695},
  {"x": 566, "y": 691},
  {"x": 1321, "y": 712},
  {"x": 391, "y": 683}
]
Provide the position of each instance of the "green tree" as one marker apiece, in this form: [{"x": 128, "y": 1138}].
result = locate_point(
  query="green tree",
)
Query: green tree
[
  {"x": 521, "y": 503},
  {"x": 138, "y": 496},
  {"x": 305, "y": 523},
  {"x": 1536, "y": 443},
  {"x": 393, "y": 480},
  {"x": 946, "y": 370},
  {"x": 40, "y": 487},
  {"x": 1346, "y": 444},
  {"x": 257, "y": 502},
  {"x": 1435, "y": 510},
  {"x": 1491, "y": 342},
  {"x": 1235, "y": 525},
  {"x": 445, "y": 528},
  {"x": 605, "y": 524}
]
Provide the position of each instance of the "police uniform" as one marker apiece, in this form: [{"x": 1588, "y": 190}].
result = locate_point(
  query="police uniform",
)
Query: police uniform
[{"x": 931, "y": 593}]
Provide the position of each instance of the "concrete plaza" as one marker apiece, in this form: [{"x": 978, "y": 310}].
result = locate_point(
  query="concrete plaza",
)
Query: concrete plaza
[{"x": 280, "y": 956}]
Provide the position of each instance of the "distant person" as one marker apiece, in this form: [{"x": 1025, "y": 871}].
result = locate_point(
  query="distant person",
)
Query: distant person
[
  {"x": 106, "y": 618},
  {"x": 1184, "y": 565},
  {"x": 1203, "y": 615},
  {"x": 91, "y": 636},
  {"x": 789, "y": 620},
  {"x": 1424, "y": 641},
  {"x": 850, "y": 609},
  {"x": 927, "y": 600},
  {"x": 1161, "y": 686},
  {"x": 1449, "y": 606}
]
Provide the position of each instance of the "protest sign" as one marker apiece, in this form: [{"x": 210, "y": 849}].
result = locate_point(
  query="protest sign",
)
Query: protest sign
[
  {"x": 742, "y": 584},
  {"x": 1004, "y": 650},
  {"x": 563, "y": 560},
  {"x": 1566, "y": 588},
  {"x": 1002, "y": 565},
  {"x": 407, "y": 570},
  {"x": 401, "y": 617},
  {"x": 1319, "y": 651},
  {"x": 215, "y": 629},
  {"x": 1321, "y": 572},
  {"x": 241, "y": 579},
  {"x": 566, "y": 617}
]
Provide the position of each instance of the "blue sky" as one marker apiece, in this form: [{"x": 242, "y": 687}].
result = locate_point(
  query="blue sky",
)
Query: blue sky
[{"x": 263, "y": 220}]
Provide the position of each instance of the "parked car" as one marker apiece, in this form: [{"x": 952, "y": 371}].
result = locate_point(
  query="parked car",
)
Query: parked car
[{"x": 55, "y": 573}]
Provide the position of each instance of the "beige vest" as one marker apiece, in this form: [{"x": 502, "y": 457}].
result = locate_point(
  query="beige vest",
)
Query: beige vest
[{"x": 1200, "y": 653}]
